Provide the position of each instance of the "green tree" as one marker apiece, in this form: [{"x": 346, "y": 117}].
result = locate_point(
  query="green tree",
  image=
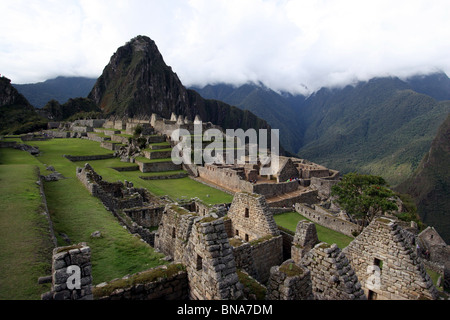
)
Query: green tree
[{"x": 364, "y": 196}]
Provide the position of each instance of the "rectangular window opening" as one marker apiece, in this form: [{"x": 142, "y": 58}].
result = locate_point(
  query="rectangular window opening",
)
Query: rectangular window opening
[{"x": 199, "y": 263}]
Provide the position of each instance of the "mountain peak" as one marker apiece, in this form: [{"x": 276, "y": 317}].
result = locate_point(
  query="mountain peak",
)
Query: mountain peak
[{"x": 137, "y": 82}]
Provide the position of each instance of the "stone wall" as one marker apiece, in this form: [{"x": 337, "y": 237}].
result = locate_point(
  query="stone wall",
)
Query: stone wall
[
  {"x": 95, "y": 137},
  {"x": 321, "y": 216},
  {"x": 113, "y": 146},
  {"x": 287, "y": 170},
  {"x": 251, "y": 217},
  {"x": 332, "y": 275},
  {"x": 323, "y": 186},
  {"x": 175, "y": 225},
  {"x": 146, "y": 216},
  {"x": 387, "y": 267},
  {"x": 71, "y": 274},
  {"x": 257, "y": 257},
  {"x": 201, "y": 244},
  {"x": 266, "y": 254},
  {"x": 157, "y": 166},
  {"x": 289, "y": 282},
  {"x": 117, "y": 197},
  {"x": 160, "y": 283},
  {"x": 89, "y": 158},
  {"x": 307, "y": 196},
  {"x": 275, "y": 189},
  {"x": 304, "y": 240},
  {"x": 225, "y": 177},
  {"x": 210, "y": 263}
]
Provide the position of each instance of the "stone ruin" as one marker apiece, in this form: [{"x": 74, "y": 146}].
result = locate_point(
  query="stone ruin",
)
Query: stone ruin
[
  {"x": 71, "y": 274},
  {"x": 213, "y": 246},
  {"x": 207, "y": 253},
  {"x": 387, "y": 264}
]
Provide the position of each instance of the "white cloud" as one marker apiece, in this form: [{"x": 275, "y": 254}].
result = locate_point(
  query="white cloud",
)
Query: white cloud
[{"x": 284, "y": 44}]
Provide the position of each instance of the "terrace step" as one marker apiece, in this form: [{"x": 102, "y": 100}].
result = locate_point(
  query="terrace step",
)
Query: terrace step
[
  {"x": 158, "y": 154},
  {"x": 156, "y": 139},
  {"x": 178, "y": 175},
  {"x": 158, "y": 146},
  {"x": 146, "y": 165},
  {"x": 113, "y": 146}
]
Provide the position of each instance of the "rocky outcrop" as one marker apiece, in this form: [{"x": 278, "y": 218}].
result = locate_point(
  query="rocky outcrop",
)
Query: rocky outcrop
[
  {"x": 9, "y": 95},
  {"x": 137, "y": 83}
]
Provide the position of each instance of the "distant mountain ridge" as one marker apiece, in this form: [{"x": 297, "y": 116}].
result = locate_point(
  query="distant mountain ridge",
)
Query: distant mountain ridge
[
  {"x": 382, "y": 126},
  {"x": 17, "y": 115},
  {"x": 60, "y": 89}
]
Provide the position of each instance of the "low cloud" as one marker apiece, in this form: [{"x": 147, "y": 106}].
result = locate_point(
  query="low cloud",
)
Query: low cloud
[{"x": 287, "y": 45}]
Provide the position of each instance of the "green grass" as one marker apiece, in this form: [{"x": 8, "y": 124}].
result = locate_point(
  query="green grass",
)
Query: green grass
[
  {"x": 25, "y": 243},
  {"x": 183, "y": 188},
  {"x": 77, "y": 214},
  {"x": 145, "y": 160},
  {"x": 290, "y": 220}
]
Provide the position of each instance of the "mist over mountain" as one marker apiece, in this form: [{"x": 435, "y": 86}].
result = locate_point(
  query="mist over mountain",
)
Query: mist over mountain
[
  {"x": 278, "y": 110},
  {"x": 382, "y": 126}
]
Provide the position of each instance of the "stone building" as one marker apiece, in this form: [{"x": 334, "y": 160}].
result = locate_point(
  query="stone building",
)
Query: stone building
[
  {"x": 386, "y": 264},
  {"x": 201, "y": 244},
  {"x": 304, "y": 240},
  {"x": 251, "y": 218}
]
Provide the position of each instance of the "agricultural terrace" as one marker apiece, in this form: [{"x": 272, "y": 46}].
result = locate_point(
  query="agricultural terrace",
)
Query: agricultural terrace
[{"x": 75, "y": 214}]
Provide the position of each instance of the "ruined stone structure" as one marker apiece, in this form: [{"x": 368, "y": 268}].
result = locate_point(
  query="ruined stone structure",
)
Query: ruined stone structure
[
  {"x": 135, "y": 208},
  {"x": 332, "y": 275},
  {"x": 202, "y": 245},
  {"x": 251, "y": 218},
  {"x": 435, "y": 254},
  {"x": 289, "y": 282},
  {"x": 160, "y": 283},
  {"x": 212, "y": 244},
  {"x": 327, "y": 219},
  {"x": 386, "y": 265},
  {"x": 71, "y": 274},
  {"x": 304, "y": 240}
]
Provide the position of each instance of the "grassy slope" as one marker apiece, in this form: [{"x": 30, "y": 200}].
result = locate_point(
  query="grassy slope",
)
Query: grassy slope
[
  {"x": 290, "y": 220},
  {"x": 25, "y": 243},
  {"x": 184, "y": 188},
  {"x": 77, "y": 214}
]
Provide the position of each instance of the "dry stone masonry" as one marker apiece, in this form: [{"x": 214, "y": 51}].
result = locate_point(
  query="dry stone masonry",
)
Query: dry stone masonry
[
  {"x": 386, "y": 265},
  {"x": 332, "y": 275},
  {"x": 304, "y": 240},
  {"x": 289, "y": 282},
  {"x": 71, "y": 274}
]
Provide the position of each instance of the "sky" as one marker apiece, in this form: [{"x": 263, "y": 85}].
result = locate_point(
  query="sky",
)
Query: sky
[{"x": 296, "y": 46}]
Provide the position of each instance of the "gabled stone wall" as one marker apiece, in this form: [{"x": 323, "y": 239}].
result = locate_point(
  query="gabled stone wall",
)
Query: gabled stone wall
[
  {"x": 332, "y": 275},
  {"x": 388, "y": 268},
  {"x": 304, "y": 240},
  {"x": 251, "y": 217}
]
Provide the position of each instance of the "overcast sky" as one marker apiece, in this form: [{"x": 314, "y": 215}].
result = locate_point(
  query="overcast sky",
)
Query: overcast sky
[{"x": 286, "y": 45}]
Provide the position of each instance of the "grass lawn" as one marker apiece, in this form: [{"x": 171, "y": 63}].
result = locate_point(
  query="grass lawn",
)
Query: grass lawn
[
  {"x": 77, "y": 214},
  {"x": 25, "y": 242},
  {"x": 184, "y": 188},
  {"x": 290, "y": 220}
]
